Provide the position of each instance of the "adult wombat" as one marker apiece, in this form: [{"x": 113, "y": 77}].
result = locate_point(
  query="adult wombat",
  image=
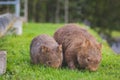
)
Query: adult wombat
[
  {"x": 80, "y": 49},
  {"x": 45, "y": 50}
]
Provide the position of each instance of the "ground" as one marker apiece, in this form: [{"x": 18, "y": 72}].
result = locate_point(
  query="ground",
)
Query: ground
[{"x": 20, "y": 68}]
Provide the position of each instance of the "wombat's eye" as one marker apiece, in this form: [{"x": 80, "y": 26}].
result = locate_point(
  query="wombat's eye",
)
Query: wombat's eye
[
  {"x": 88, "y": 59},
  {"x": 48, "y": 62}
]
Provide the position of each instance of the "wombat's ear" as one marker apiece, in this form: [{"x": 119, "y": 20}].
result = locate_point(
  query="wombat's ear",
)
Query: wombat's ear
[
  {"x": 44, "y": 49},
  {"x": 85, "y": 43},
  {"x": 60, "y": 47},
  {"x": 99, "y": 45}
]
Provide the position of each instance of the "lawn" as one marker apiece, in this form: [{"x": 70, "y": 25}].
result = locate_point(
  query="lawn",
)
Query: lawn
[
  {"x": 116, "y": 34},
  {"x": 20, "y": 68}
]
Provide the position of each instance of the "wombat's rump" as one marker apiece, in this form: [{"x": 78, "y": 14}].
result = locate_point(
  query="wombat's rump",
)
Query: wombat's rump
[
  {"x": 45, "y": 50},
  {"x": 80, "y": 49}
]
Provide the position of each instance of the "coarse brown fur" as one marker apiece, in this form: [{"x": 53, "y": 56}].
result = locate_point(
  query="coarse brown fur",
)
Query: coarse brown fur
[
  {"x": 80, "y": 48},
  {"x": 45, "y": 50}
]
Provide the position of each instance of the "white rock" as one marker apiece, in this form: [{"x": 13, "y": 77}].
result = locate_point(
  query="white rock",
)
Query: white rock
[{"x": 2, "y": 62}]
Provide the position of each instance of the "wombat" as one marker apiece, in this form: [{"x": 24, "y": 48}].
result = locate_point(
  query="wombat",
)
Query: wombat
[
  {"x": 45, "y": 50},
  {"x": 80, "y": 48}
]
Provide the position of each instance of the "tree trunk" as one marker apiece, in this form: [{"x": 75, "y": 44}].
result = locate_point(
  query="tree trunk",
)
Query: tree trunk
[
  {"x": 57, "y": 20},
  {"x": 66, "y": 8},
  {"x": 26, "y": 10},
  {"x": 34, "y": 10}
]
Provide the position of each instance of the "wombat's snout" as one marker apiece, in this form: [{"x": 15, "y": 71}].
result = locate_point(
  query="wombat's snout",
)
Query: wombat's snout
[
  {"x": 56, "y": 64},
  {"x": 92, "y": 68}
]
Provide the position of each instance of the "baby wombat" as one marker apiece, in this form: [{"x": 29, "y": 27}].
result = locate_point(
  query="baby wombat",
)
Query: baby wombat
[
  {"x": 80, "y": 49},
  {"x": 45, "y": 50}
]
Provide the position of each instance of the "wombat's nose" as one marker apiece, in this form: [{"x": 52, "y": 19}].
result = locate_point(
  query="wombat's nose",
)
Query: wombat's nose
[
  {"x": 58, "y": 63},
  {"x": 93, "y": 69}
]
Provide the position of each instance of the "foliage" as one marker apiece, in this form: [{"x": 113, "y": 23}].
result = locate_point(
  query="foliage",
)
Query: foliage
[
  {"x": 103, "y": 14},
  {"x": 20, "y": 68}
]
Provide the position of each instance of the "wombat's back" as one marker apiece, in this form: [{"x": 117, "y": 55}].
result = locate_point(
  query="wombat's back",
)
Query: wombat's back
[
  {"x": 71, "y": 33},
  {"x": 43, "y": 40},
  {"x": 40, "y": 40}
]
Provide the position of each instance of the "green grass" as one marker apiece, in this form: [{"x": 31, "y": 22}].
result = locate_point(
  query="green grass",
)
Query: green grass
[
  {"x": 116, "y": 34},
  {"x": 20, "y": 68}
]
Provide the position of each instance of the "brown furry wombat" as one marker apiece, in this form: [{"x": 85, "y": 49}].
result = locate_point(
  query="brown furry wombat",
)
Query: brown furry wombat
[
  {"x": 80, "y": 49},
  {"x": 45, "y": 50}
]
